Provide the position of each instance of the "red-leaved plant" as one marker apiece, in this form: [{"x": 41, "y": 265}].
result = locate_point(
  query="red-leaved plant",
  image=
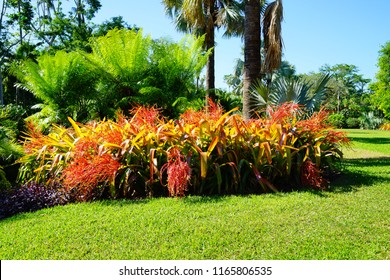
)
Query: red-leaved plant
[
  {"x": 311, "y": 176},
  {"x": 178, "y": 173}
]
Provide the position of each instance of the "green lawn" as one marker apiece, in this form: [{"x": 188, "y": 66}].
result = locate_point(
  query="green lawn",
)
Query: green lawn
[{"x": 352, "y": 221}]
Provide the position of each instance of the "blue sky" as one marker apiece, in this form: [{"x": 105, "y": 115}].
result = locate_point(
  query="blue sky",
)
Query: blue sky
[{"x": 315, "y": 32}]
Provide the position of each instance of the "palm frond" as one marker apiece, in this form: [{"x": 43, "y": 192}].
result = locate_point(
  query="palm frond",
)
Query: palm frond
[
  {"x": 259, "y": 97},
  {"x": 272, "y": 33},
  {"x": 193, "y": 12},
  {"x": 318, "y": 95},
  {"x": 121, "y": 55},
  {"x": 230, "y": 15},
  {"x": 290, "y": 89}
]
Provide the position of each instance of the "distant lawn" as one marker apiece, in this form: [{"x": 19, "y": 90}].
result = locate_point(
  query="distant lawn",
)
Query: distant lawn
[
  {"x": 369, "y": 142},
  {"x": 352, "y": 221}
]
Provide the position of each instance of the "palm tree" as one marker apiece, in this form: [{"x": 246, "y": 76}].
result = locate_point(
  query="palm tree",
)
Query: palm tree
[
  {"x": 254, "y": 69},
  {"x": 201, "y": 17}
]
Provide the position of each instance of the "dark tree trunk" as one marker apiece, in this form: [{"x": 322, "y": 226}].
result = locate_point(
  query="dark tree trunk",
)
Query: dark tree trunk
[
  {"x": 1, "y": 88},
  {"x": 252, "y": 60},
  {"x": 210, "y": 70},
  {"x": 210, "y": 44}
]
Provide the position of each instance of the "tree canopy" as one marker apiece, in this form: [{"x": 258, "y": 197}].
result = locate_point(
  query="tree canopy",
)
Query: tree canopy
[{"x": 382, "y": 85}]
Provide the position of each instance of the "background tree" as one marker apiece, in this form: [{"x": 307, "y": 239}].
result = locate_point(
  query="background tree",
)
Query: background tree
[
  {"x": 114, "y": 22},
  {"x": 381, "y": 87},
  {"x": 348, "y": 96},
  {"x": 15, "y": 24},
  {"x": 352, "y": 83},
  {"x": 201, "y": 18},
  {"x": 56, "y": 28}
]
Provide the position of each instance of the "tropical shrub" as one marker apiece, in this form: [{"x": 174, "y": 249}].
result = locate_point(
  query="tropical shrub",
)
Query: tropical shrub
[
  {"x": 11, "y": 122},
  {"x": 370, "y": 121},
  {"x": 133, "y": 69},
  {"x": 203, "y": 152},
  {"x": 228, "y": 100},
  {"x": 337, "y": 120},
  {"x": 120, "y": 61},
  {"x": 12, "y": 117},
  {"x": 4, "y": 183},
  {"x": 352, "y": 123},
  {"x": 9, "y": 149},
  {"x": 175, "y": 68}
]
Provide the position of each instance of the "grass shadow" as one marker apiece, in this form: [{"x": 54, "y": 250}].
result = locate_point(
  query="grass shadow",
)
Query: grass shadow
[
  {"x": 123, "y": 202},
  {"x": 355, "y": 174},
  {"x": 376, "y": 141},
  {"x": 205, "y": 199}
]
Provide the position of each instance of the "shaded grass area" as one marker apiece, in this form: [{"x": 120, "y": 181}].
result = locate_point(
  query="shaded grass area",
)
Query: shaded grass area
[
  {"x": 367, "y": 160},
  {"x": 362, "y": 172},
  {"x": 370, "y": 140},
  {"x": 352, "y": 221}
]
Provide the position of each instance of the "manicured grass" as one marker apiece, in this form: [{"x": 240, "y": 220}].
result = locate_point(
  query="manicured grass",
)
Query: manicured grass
[
  {"x": 352, "y": 221},
  {"x": 371, "y": 141}
]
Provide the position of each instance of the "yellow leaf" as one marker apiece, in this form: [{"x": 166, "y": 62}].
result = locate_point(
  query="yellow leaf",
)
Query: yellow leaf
[
  {"x": 203, "y": 164},
  {"x": 75, "y": 127},
  {"x": 212, "y": 145}
]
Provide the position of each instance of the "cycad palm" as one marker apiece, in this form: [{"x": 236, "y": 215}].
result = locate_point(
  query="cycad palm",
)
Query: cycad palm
[
  {"x": 63, "y": 83},
  {"x": 201, "y": 17},
  {"x": 135, "y": 69},
  {"x": 121, "y": 57}
]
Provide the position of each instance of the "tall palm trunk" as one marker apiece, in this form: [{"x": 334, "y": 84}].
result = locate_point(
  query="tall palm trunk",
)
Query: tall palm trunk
[
  {"x": 210, "y": 44},
  {"x": 252, "y": 57},
  {"x": 1, "y": 88}
]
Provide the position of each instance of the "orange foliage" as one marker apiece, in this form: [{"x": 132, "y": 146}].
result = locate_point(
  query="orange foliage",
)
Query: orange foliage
[{"x": 88, "y": 168}]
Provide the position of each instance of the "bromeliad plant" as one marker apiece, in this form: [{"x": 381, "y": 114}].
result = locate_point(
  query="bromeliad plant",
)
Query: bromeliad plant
[{"x": 202, "y": 152}]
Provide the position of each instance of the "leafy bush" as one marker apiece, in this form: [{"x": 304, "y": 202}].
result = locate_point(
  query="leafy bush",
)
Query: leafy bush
[
  {"x": 337, "y": 120},
  {"x": 9, "y": 149},
  {"x": 203, "y": 152},
  {"x": 4, "y": 183},
  {"x": 228, "y": 100},
  {"x": 12, "y": 117},
  {"x": 11, "y": 122},
  {"x": 30, "y": 197},
  {"x": 353, "y": 123}
]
